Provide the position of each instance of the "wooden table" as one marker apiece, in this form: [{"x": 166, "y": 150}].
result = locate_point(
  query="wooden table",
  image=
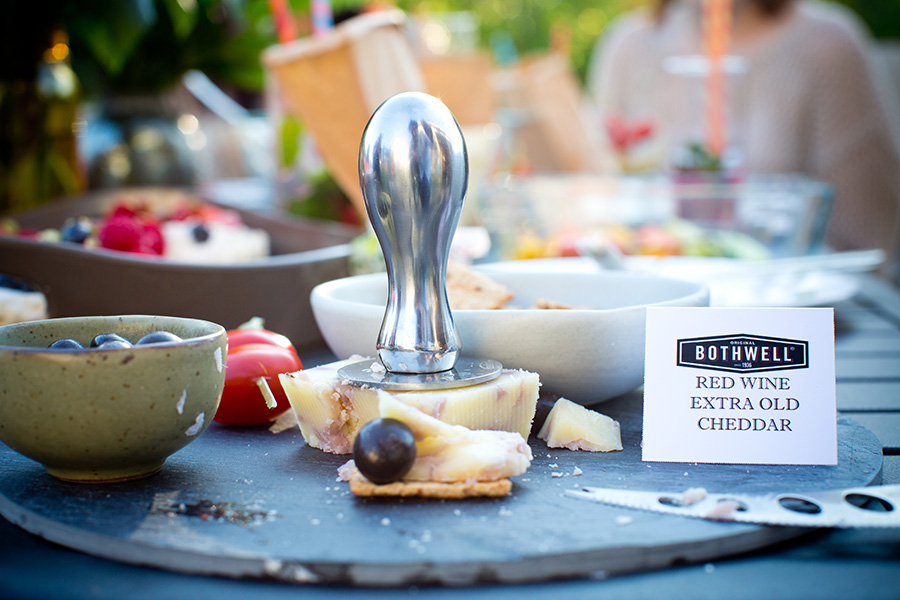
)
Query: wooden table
[{"x": 824, "y": 564}]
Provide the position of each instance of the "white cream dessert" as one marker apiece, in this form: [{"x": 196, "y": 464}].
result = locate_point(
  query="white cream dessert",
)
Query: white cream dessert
[
  {"x": 19, "y": 305},
  {"x": 331, "y": 411},
  {"x": 453, "y": 453},
  {"x": 211, "y": 242},
  {"x": 570, "y": 425}
]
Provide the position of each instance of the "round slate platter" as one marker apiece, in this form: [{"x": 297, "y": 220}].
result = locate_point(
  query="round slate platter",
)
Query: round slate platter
[{"x": 250, "y": 503}]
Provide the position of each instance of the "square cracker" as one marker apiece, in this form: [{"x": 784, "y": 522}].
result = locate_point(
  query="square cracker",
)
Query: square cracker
[
  {"x": 469, "y": 289},
  {"x": 361, "y": 486}
]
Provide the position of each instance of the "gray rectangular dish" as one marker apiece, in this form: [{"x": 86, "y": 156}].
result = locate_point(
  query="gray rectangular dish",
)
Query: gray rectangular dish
[{"x": 79, "y": 281}]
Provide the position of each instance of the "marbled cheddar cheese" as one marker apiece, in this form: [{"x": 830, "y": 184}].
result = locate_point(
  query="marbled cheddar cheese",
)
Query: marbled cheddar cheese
[
  {"x": 575, "y": 427},
  {"x": 331, "y": 411}
]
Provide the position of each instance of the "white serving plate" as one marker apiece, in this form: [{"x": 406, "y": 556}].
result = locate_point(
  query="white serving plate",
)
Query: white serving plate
[
  {"x": 587, "y": 355},
  {"x": 735, "y": 282},
  {"x": 828, "y": 280}
]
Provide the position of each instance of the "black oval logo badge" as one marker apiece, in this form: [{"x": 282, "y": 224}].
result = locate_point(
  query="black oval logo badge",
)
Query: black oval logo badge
[{"x": 743, "y": 353}]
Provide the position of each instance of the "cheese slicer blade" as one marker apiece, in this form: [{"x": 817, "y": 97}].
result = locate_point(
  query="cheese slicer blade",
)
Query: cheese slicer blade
[
  {"x": 870, "y": 506},
  {"x": 413, "y": 170}
]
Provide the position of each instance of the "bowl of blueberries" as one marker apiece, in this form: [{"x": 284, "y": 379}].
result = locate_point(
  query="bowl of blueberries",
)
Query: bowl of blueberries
[{"x": 108, "y": 398}]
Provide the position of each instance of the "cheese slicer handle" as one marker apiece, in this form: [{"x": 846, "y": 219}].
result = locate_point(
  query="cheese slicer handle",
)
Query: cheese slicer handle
[{"x": 413, "y": 170}]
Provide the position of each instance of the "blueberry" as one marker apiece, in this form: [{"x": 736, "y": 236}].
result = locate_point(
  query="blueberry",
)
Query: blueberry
[
  {"x": 76, "y": 230},
  {"x": 113, "y": 344},
  {"x": 158, "y": 337},
  {"x": 101, "y": 339},
  {"x": 384, "y": 450},
  {"x": 67, "y": 344},
  {"x": 14, "y": 283},
  {"x": 200, "y": 233}
]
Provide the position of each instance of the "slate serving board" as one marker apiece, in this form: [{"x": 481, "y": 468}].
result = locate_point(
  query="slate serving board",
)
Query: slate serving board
[{"x": 250, "y": 503}]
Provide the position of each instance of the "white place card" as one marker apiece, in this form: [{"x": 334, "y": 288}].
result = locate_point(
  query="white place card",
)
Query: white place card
[{"x": 740, "y": 386}]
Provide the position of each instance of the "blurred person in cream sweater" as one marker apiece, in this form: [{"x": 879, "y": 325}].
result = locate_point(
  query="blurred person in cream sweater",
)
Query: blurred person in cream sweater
[{"x": 809, "y": 100}]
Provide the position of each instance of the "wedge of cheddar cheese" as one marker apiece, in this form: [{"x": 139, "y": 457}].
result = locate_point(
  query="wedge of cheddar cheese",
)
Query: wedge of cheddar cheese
[
  {"x": 331, "y": 411},
  {"x": 575, "y": 427}
]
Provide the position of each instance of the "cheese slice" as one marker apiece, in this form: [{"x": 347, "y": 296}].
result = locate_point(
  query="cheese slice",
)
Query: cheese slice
[
  {"x": 453, "y": 453},
  {"x": 332, "y": 411},
  {"x": 572, "y": 426}
]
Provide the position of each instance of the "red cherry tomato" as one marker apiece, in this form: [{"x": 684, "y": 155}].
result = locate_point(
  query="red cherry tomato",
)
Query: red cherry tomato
[
  {"x": 241, "y": 337},
  {"x": 249, "y": 369}
]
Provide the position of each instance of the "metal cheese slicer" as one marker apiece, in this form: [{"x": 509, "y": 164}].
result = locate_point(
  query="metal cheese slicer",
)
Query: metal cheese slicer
[
  {"x": 413, "y": 170},
  {"x": 866, "y": 506}
]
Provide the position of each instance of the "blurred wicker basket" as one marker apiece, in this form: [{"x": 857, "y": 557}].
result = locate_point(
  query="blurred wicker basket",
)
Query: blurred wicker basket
[{"x": 335, "y": 81}]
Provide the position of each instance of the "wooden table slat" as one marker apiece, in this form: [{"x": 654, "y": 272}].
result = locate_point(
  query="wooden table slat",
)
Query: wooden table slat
[
  {"x": 867, "y": 396},
  {"x": 885, "y": 425},
  {"x": 878, "y": 368},
  {"x": 881, "y": 293},
  {"x": 861, "y": 345}
]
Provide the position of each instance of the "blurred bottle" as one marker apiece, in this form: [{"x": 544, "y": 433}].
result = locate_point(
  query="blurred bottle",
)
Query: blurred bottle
[{"x": 39, "y": 115}]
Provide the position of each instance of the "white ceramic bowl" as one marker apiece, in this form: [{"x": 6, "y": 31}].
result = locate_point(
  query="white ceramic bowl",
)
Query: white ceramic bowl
[{"x": 586, "y": 355}]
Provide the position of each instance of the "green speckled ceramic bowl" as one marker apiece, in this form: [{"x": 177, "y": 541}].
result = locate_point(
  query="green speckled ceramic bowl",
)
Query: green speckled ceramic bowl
[{"x": 108, "y": 415}]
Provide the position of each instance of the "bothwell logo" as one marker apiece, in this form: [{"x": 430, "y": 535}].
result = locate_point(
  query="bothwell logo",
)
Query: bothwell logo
[{"x": 743, "y": 353}]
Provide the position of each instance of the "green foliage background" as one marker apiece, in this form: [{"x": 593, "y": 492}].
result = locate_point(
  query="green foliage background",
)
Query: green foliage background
[
  {"x": 529, "y": 22},
  {"x": 146, "y": 45}
]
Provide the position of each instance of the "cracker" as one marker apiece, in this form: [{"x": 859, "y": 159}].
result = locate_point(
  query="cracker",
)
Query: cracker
[
  {"x": 361, "y": 486},
  {"x": 469, "y": 289},
  {"x": 543, "y": 303}
]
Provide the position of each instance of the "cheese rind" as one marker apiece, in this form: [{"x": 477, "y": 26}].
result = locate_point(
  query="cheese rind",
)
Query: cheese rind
[
  {"x": 453, "y": 453},
  {"x": 570, "y": 425},
  {"x": 331, "y": 411}
]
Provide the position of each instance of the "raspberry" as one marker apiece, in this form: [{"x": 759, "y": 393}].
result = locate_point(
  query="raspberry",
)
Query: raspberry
[
  {"x": 121, "y": 209},
  {"x": 120, "y": 233},
  {"x": 152, "y": 241}
]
